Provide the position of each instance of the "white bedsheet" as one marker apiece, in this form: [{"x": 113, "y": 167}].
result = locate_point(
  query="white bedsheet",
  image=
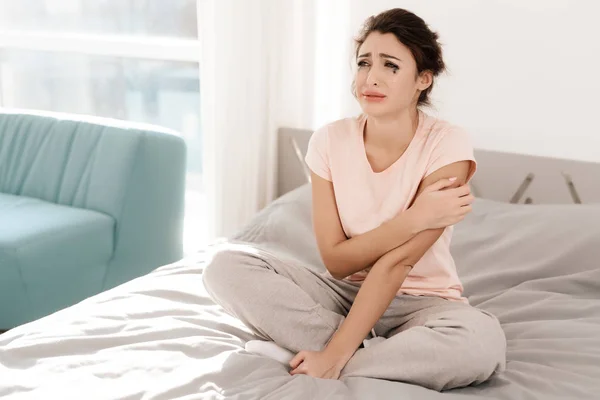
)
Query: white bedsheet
[{"x": 161, "y": 337}]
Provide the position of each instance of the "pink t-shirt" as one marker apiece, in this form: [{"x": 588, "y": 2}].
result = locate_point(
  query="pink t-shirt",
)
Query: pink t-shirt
[{"x": 365, "y": 199}]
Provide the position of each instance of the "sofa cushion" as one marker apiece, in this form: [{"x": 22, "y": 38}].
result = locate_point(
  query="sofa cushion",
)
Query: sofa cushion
[{"x": 41, "y": 243}]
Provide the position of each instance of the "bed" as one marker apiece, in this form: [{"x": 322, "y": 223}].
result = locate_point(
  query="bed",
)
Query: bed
[{"x": 535, "y": 266}]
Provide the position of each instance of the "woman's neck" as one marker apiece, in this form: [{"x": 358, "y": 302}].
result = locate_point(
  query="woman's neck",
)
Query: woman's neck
[{"x": 391, "y": 132}]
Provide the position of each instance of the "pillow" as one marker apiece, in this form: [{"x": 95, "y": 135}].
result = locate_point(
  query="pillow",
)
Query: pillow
[{"x": 502, "y": 247}]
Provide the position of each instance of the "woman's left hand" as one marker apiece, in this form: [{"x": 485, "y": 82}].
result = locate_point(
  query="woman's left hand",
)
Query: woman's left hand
[{"x": 318, "y": 364}]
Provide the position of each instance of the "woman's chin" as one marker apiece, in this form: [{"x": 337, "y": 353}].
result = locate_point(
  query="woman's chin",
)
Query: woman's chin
[{"x": 374, "y": 109}]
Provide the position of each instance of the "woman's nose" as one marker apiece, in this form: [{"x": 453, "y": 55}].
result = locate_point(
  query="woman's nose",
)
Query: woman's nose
[{"x": 373, "y": 77}]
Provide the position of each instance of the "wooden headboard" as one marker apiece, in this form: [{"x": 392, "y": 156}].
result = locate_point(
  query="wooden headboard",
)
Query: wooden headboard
[{"x": 507, "y": 177}]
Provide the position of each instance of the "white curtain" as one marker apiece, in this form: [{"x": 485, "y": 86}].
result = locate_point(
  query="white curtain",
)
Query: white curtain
[{"x": 264, "y": 64}]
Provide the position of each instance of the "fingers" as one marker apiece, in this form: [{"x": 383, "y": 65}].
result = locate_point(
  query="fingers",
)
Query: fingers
[
  {"x": 300, "y": 370},
  {"x": 460, "y": 191},
  {"x": 462, "y": 213},
  {"x": 458, "y": 200},
  {"x": 297, "y": 360},
  {"x": 466, "y": 200},
  {"x": 441, "y": 184},
  {"x": 297, "y": 364}
]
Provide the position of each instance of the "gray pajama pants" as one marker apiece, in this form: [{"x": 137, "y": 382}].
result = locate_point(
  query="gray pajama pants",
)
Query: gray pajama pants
[{"x": 432, "y": 342}]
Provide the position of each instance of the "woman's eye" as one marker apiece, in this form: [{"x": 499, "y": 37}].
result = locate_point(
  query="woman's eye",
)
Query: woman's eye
[
  {"x": 363, "y": 63},
  {"x": 391, "y": 65}
]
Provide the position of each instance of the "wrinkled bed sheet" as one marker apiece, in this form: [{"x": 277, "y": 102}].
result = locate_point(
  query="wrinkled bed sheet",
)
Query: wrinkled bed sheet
[{"x": 161, "y": 337}]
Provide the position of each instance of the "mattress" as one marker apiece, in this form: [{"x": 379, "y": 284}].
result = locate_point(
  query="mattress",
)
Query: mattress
[{"x": 160, "y": 336}]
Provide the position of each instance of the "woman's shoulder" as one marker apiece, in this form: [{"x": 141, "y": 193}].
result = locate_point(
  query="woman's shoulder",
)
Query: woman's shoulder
[
  {"x": 333, "y": 136},
  {"x": 341, "y": 128},
  {"x": 439, "y": 129},
  {"x": 446, "y": 144}
]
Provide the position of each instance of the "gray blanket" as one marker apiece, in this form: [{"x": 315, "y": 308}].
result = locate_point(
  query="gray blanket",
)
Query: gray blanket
[{"x": 161, "y": 337}]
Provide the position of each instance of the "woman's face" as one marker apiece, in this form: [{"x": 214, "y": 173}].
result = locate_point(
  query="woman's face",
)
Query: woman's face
[{"x": 386, "y": 76}]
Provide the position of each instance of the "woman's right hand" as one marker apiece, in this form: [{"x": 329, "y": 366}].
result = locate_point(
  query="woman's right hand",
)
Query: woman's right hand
[{"x": 440, "y": 205}]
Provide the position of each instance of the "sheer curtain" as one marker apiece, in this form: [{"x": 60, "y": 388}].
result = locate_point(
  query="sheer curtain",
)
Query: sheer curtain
[{"x": 264, "y": 64}]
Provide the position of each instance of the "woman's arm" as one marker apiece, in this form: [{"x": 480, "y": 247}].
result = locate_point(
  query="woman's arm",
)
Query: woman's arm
[
  {"x": 343, "y": 256},
  {"x": 386, "y": 277},
  {"x": 376, "y": 293}
]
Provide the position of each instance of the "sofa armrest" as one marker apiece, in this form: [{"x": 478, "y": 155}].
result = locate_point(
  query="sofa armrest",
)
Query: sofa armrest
[{"x": 149, "y": 230}]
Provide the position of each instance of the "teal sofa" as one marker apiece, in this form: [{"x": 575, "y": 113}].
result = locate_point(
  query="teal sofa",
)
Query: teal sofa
[{"x": 85, "y": 204}]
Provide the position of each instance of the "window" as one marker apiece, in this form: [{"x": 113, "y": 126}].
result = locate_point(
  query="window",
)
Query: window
[
  {"x": 135, "y": 60},
  {"x": 170, "y": 18}
]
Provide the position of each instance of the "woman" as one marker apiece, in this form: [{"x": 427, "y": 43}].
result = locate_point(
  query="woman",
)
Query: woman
[{"x": 387, "y": 186}]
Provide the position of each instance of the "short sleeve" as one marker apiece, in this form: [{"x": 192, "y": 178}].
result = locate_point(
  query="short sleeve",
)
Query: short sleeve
[
  {"x": 317, "y": 154},
  {"x": 454, "y": 145}
]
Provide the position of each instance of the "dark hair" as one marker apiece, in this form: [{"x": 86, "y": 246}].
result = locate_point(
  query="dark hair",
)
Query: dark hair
[{"x": 412, "y": 32}]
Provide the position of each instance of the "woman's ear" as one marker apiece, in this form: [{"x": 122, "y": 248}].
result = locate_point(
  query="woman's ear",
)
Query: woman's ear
[{"x": 425, "y": 80}]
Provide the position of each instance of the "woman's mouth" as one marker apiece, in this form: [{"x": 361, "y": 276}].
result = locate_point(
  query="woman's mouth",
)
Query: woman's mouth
[{"x": 375, "y": 97}]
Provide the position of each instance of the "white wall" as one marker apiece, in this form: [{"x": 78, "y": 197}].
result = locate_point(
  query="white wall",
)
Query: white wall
[{"x": 523, "y": 75}]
